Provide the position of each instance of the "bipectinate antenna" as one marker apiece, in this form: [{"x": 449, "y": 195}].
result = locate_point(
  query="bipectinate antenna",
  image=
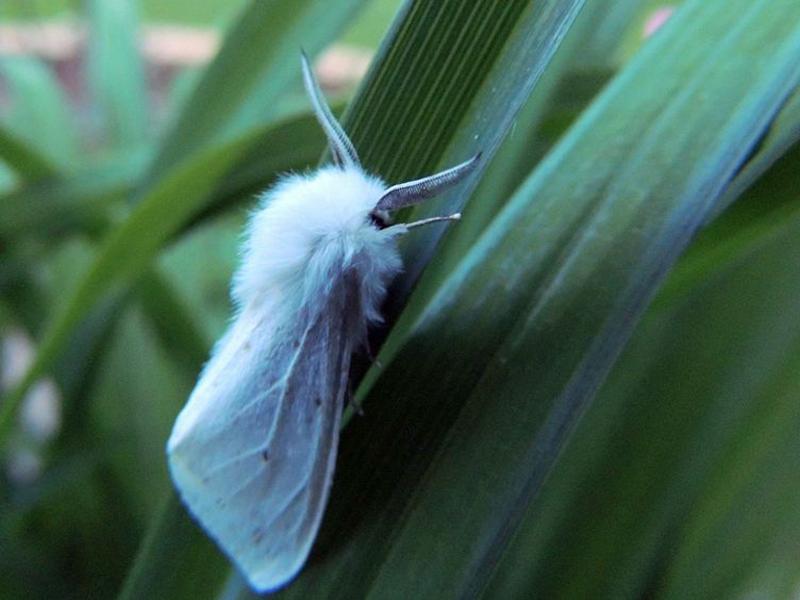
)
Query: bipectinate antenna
[
  {"x": 414, "y": 192},
  {"x": 342, "y": 149}
]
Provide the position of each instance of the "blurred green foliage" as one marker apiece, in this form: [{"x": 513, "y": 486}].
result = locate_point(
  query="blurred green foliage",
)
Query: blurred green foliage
[
  {"x": 366, "y": 30},
  {"x": 590, "y": 385}
]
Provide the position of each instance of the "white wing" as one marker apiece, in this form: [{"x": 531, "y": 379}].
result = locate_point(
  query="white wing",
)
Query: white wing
[{"x": 252, "y": 453}]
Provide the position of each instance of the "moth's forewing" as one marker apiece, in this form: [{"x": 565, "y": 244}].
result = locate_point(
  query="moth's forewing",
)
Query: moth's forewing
[{"x": 252, "y": 453}]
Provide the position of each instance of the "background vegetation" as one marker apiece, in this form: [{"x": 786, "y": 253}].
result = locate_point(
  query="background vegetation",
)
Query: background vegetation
[{"x": 592, "y": 390}]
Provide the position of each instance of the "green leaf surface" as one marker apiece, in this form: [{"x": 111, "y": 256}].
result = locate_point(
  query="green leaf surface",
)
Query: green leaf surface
[
  {"x": 115, "y": 69},
  {"x": 759, "y": 214},
  {"x": 680, "y": 481},
  {"x": 175, "y": 327},
  {"x": 174, "y": 539},
  {"x": 601, "y": 47},
  {"x": 24, "y": 159},
  {"x": 172, "y": 535},
  {"x": 86, "y": 200},
  {"x": 447, "y": 84},
  {"x": 560, "y": 91},
  {"x": 536, "y": 313},
  {"x": 39, "y": 112},
  {"x": 139, "y": 389},
  {"x": 784, "y": 133}
]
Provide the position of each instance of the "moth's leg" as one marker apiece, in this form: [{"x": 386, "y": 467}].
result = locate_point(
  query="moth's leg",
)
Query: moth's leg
[
  {"x": 351, "y": 401},
  {"x": 453, "y": 217},
  {"x": 373, "y": 359},
  {"x": 402, "y": 228}
]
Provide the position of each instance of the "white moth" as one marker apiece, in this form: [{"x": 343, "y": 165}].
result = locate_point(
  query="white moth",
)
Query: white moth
[{"x": 252, "y": 453}]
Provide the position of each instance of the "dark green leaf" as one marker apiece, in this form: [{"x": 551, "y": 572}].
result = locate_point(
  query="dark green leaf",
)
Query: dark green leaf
[{"x": 23, "y": 158}]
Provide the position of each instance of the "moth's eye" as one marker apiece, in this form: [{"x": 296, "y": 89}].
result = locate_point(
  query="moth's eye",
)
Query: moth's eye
[{"x": 379, "y": 219}]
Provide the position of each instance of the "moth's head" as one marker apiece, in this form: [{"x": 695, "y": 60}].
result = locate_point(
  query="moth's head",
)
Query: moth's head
[
  {"x": 379, "y": 219},
  {"x": 380, "y": 206}
]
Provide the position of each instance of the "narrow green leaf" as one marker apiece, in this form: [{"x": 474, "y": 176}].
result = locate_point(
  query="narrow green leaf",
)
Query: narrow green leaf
[
  {"x": 758, "y": 215},
  {"x": 39, "y": 112},
  {"x": 116, "y": 72},
  {"x": 448, "y": 83},
  {"x": 174, "y": 537},
  {"x": 600, "y": 47},
  {"x": 558, "y": 91},
  {"x": 784, "y": 133},
  {"x": 84, "y": 200},
  {"x": 173, "y": 324},
  {"x": 745, "y": 520},
  {"x": 24, "y": 159}
]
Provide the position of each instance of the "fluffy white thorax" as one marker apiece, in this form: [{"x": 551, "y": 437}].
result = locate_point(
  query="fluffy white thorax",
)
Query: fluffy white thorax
[{"x": 308, "y": 233}]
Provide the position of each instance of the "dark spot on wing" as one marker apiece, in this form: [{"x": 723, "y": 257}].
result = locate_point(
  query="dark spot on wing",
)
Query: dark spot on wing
[
  {"x": 296, "y": 343},
  {"x": 265, "y": 455},
  {"x": 318, "y": 401}
]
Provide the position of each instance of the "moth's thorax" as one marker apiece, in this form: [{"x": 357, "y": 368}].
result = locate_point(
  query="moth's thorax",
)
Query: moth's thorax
[{"x": 312, "y": 230}]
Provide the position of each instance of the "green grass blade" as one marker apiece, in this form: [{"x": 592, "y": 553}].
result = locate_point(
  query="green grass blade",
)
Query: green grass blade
[
  {"x": 559, "y": 91},
  {"x": 259, "y": 59},
  {"x": 116, "y": 72},
  {"x": 85, "y": 201},
  {"x": 784, "y": 133},
  {"x": 449, "y": 82},
  {"x": 600, "y": 48},
  {"x": 174, "y": 538},
  {"x": 173, "y": 324},
  {"x": 39, "y": 112},
  {"x": 23, "y": 158},
  {"x": 758, "y": 215}
]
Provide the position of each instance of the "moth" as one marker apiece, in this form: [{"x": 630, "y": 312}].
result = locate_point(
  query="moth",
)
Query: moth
[{"x": 252, "y": 453}]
